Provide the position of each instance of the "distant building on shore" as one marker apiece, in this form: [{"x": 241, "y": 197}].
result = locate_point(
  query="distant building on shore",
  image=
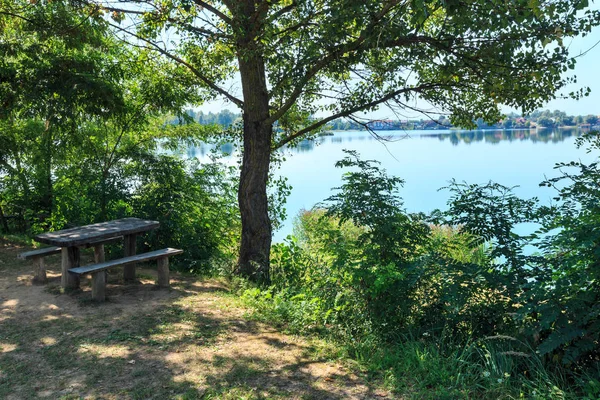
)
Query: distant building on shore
[{"x": 382, "y": 124}]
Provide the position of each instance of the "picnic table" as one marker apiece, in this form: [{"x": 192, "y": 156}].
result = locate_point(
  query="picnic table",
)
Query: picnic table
[{"x": 70, "y": 241}]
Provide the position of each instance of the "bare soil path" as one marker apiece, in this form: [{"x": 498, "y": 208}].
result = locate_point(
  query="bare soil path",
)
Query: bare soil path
[{"x": 191, "y": 341}]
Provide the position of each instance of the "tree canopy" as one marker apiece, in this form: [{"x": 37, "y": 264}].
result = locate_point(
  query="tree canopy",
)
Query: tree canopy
[
  {"x": 340, "y": 57},
  {"x": 74, "y": 99}
]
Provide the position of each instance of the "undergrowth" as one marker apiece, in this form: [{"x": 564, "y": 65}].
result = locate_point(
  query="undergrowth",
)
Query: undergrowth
[{"x": 448, "y": 305}]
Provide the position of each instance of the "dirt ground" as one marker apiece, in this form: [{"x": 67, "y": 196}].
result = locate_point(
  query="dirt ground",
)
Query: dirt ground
[{"x": 191, "y": 341}]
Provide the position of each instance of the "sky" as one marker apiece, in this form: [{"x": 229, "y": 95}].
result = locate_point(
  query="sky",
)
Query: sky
[{"x": 587, "y": 71}]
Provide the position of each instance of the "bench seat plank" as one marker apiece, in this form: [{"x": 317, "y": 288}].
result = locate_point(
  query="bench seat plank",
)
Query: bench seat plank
[
  {"x": 48, "y": 251},
  {"x": 153, "y": 255},
  {"x": 43, "y": 252}
]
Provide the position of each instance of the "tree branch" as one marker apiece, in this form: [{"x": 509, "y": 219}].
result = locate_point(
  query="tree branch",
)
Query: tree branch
[
  {"x": 189, "y": 27},
  {"x": 282, "y": 11},
  {"x": 16, "y": 16},
  {"x": 354, "y": 109},
  {"x": 213, "y": 10},
  {"x": 325, "y": 61},
  {"x": 189, "y": 66}
]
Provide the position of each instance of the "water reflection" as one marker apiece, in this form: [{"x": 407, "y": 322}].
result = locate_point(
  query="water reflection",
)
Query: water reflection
[
  {"x": 204, "y": 149},
  {"x": 455, "y": 137},
  {"x": 426, "y": 160},
  {"x": 494, "y": 137}
]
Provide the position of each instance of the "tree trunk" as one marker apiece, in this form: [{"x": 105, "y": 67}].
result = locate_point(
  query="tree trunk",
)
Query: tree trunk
[
  {"x": 3, "y": 221},
  {"x": 253, "y": 261},
  {"x": 47, "y": 198},
  {"x": 255, "y": 247},
  {"x": 103, "y": 196}
]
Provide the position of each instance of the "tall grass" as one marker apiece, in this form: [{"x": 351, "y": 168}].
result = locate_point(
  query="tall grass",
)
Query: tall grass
[{"x": 423, "y": 366}]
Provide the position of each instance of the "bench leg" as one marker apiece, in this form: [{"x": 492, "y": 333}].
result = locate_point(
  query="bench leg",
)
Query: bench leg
[
  {"x": 163, "y": 272},
  {"x": 129, "y": 247},
  {"x": 99, "y": 286},
  {"x": 40, "y": 271},
  {"x": 70, "y": 259}
]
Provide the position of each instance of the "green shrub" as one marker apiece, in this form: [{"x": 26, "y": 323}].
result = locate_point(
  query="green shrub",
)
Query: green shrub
[
  {"x": 457, "y": 303},
  {"x": 194, "y": 204},
  {"x": 384, "y": 272},
  {"x": 564, "y": 313}
]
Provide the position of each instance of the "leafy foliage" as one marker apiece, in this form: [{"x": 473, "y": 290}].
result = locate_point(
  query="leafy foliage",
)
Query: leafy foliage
[
  {"x": 195, "y": 205},
  {"x": 567, "y": 295},
  {"x": 299, "y": 59},
  {"x": 384, "y": 258},
  {"x": 365, "y": 266},
  {"x": 83, "y": 123},
  {"x": 522, "y": 305}
]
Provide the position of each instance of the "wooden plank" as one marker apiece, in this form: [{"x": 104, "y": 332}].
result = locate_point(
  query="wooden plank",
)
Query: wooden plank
[
  {"x": 153, "y": 255},
  {"x": 99, "y": 254},
  {"x": 95, "y": 243},
  {"x": 40, "y": 271},
  {"x": 90, "y": 233},
  {"x": 46, "y": 251},
  {"x": 99, "y": 257}
]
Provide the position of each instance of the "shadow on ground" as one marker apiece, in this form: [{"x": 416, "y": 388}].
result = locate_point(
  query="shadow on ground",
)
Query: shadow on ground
[{"x": 188, "y": 342}]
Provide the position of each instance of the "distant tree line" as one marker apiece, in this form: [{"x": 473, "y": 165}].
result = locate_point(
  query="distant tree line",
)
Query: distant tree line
[
  {"x": 556, "y": 118},
  {"x": 545, "y": 119},
  {"x": 540, "y": 118},
  {"x": 222, "y": 118}
]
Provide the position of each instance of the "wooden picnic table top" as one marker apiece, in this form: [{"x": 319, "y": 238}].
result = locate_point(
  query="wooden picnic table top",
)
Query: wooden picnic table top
[{"x": 89, "y": 233}]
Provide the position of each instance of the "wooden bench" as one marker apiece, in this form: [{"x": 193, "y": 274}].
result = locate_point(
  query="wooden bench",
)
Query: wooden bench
[
  {"x": 99, "y": 274},
  {"x": 39, "y": 254}
]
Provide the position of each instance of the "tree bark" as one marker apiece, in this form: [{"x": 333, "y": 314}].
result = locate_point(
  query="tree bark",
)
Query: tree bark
[
  {"x": 47, "y": 198},
  {"x": 255, "y": 246},
  {"x": 3, "y": 221}
]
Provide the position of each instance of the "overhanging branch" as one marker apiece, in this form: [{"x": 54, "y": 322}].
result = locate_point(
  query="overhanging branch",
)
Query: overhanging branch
[
  {"x": 213, "y": 10},
  {"x": 321, "y": 64},
  {"x": 355, "y": 109},
  {"x": 202, "y": 31},
  {"x": 282, "y": 11}
]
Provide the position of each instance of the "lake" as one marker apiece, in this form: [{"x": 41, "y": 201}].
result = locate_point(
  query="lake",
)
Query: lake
[{"x": 427, "y": 161}]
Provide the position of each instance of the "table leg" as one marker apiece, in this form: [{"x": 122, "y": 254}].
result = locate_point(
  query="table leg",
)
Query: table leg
[
  {"x": 129, "y": 270},
  {"x": 100, "y": 258},
  {"x": 70, "y": 259}
]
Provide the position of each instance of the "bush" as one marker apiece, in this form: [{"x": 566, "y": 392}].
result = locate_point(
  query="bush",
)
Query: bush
[
  {"x": 194, "y": 204},
  {"x": 460, "y": 287},
  {"x": 383, "y": 272},
  {"x": 564, "y": 313}
]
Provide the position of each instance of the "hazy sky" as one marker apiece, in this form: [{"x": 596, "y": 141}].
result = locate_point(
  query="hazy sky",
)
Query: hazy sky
[{"x": 587, "y": 71}]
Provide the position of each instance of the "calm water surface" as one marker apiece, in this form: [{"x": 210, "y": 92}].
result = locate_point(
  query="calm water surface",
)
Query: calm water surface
[{"x": 427, "y": 161}]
